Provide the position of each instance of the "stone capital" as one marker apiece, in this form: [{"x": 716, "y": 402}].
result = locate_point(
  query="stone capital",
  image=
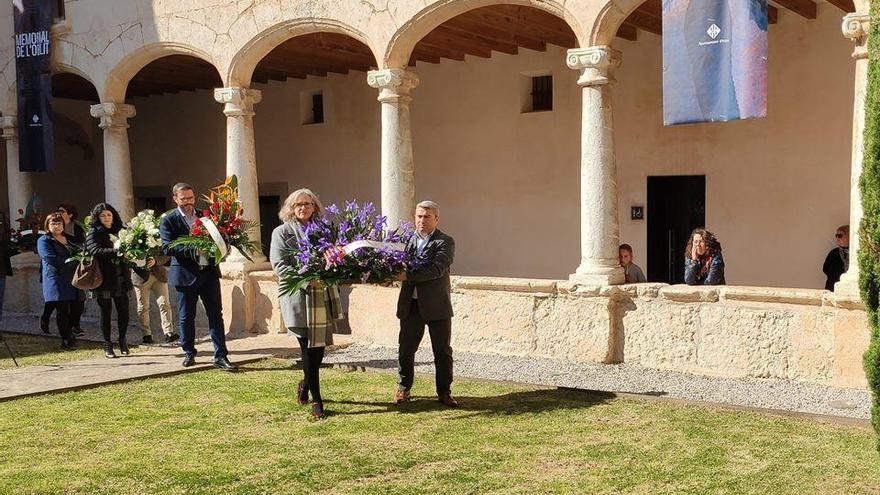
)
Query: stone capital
[
  {"x": 856, "y": 27},
  {"x": 112, "y": 114},
  {"x": 392, "y": 83},
  {"x": 9, "y": 127},
  {"x": 597, "y": 64},
  {"x": 238, "y": 101}
]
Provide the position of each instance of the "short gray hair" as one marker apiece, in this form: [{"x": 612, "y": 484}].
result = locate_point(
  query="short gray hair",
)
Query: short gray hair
[
  {"x": 429, "y": 205},
  {"x": 180, "y": 186}
]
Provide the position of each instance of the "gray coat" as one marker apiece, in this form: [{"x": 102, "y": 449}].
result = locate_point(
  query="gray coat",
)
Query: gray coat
[{"x": 285, "y": 238}]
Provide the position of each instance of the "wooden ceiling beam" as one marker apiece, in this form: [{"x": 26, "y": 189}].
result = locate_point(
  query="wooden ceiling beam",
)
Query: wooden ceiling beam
[
  {"x": 464, "y": 23},
  {"x": 437, "y": 40},
  {"x": 628, "y": 32},
  {"x": 476, "y": 38},
  {"x": 804, "y": 8},
  {"x": 512, "y": 19},
  {"x": 302, "y": 55},
  {"x": 645, "y": 22}
]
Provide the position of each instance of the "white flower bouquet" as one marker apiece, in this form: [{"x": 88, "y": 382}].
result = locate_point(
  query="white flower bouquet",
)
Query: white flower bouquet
[{"x": 139, "y": 239}]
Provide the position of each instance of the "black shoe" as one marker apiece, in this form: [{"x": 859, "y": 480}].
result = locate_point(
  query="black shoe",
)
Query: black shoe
[
  {"x": 302, "y": 393},
  {"x": 67, "y": 345},
  {"x": 148, "y": 339},
  {"x": 317, "y": 410},
  {"x": 78, "y": 332},
  {"x": 108, "y": 352},
  {"x": 224, "y": 364},
  {"x": 173, "y": 337},
  {"x": 123, "y": 349},
  {"x": 189, "y": 360}
]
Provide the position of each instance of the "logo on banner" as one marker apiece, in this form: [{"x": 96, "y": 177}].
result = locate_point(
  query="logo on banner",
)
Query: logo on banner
[
  {"x": 713, "y": 31},
  {"x": 36, "y": 121}
]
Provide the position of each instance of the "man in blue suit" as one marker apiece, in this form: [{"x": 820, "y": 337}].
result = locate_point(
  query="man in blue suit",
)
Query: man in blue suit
[{"x": 194, "y": 277}]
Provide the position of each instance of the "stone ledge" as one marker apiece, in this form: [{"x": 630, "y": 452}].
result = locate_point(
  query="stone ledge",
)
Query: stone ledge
[
  {"x": 803, "y": 297},
  {"x": 504, "y": 284},
  {"x": 689, "y": 293}
]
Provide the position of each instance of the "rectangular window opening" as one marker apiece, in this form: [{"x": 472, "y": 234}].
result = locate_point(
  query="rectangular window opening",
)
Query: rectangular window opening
[{"x": 542, "y": 93}]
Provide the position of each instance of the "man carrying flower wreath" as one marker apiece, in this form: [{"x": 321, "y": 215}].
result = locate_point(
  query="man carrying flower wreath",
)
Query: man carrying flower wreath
[
  {"x": 194, "y": 276},
  {"x": 425, "y": 299}
]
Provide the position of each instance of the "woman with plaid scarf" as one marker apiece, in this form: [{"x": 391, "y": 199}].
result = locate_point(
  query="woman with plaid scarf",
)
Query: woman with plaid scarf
[{"x": 309, "y": 314}]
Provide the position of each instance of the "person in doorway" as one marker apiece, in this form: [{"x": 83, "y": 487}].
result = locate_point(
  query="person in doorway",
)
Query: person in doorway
[
  {"x": 837, "y": 261},
  {"x": 195, "y": 277},
  {"x": 313, "y": 329},
  {"x": 703, "y": 264},
  {"x": 153, "y": 279},
  {"x": 631, "y": 271},
  {"x": 116, "y": 274},
  {"x": 55, "y": 249},
  {"x": 425, "y": 299}
]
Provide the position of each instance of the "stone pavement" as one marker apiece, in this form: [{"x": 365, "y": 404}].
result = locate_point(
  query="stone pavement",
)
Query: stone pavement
[{"x": 153, "y": 362}]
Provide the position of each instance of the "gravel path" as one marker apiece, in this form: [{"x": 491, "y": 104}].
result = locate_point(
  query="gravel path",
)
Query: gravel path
[{"x": 756, "y": 393}]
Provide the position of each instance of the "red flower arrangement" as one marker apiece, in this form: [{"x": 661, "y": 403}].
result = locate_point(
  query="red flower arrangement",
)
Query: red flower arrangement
[{"x": 221, "y": 225}]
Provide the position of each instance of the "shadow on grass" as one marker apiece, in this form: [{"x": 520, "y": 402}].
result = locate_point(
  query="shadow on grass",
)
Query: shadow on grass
[
  {"x": 514, "y": 403},
  {"x": 26, "y": 345}
]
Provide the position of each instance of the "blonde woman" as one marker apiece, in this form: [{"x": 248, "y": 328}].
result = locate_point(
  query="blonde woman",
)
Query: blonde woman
[{"x": 301, "y": 208}]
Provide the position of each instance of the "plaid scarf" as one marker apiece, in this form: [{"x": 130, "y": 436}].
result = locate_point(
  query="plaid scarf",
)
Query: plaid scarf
[{"x": 322, "y": 309}]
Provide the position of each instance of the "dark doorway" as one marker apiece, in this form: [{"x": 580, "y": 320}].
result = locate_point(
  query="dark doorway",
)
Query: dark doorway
[
  {"x": 676, "y": 206},
  {"x": 269, "y": 206}
]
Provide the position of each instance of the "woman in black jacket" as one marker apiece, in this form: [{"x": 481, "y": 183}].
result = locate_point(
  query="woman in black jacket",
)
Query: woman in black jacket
[{"x": 116, "y": 273}]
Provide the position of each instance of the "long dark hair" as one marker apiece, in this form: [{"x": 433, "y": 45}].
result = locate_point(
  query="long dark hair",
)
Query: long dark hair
[
  {"x": 70, "y": 209},
  {"x": 712, "y": 244},
  {"x": 95, "y": 217}
]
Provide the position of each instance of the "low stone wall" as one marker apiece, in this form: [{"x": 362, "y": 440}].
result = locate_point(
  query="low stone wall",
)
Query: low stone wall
[{"x": 791, "y": 334}]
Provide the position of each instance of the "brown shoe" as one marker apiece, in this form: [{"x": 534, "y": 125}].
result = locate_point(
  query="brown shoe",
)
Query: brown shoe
[
  {"x": 401, "y": 396},
  {"x": 447, "y": 400}
]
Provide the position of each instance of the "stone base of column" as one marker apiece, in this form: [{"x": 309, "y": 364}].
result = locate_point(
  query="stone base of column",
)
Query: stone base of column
[
  {"x": 603, "y": 272},
  {"x": 238, "y": 295},
  {"x": 848, "y": 286}
]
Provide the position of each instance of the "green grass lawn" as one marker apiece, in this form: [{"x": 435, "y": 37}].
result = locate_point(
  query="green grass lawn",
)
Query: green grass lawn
[
  {"x": 33, "y": 350},
  {"x": 213, "y": 432}
]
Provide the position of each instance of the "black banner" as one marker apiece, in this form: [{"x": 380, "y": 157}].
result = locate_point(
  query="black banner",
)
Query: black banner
[{"x": 33, "y": 19}]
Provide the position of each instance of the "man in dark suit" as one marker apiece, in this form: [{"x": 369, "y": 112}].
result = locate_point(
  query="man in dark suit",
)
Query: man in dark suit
[
  {"x": 425, "y": 300},
  {"x": 194, "y": 276}
]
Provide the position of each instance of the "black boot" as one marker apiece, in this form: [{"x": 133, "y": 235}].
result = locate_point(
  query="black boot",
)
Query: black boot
[
  {"x": 108, "y": 351},
  {"x": 123, "y": 348}
]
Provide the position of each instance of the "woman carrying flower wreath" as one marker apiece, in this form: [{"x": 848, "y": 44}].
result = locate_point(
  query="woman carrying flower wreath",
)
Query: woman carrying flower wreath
[
  {"x": 307, "y": 313},
  {"x": 116, "y": 274}
]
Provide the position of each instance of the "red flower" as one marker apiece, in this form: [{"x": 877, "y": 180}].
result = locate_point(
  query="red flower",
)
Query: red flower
[
  {"x": 197, "y": 231},
  {"x": 197, "y": 222}
]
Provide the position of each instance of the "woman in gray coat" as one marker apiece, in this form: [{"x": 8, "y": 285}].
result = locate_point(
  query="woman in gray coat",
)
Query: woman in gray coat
[{"x": 300, "y": 208}]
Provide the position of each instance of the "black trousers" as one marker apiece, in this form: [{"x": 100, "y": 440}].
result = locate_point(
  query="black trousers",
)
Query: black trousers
[
  {"x": 412, "y": 329},
  {"x": 106, "y": 305},
  {"x": 77, "y": 308},
  {"x": 62, "y": 316},
  {"x": 311, "y": 360}
]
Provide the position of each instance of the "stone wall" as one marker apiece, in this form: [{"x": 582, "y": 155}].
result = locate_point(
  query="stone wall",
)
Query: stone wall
[{"x": 790, "y": 334}]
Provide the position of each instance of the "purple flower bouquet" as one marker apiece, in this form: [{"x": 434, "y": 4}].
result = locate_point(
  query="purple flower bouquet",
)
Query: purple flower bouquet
[{"x": 351, "y": 245}]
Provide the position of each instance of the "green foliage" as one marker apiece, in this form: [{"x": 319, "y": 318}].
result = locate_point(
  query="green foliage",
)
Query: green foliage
[{"x": 869, "y": 254}]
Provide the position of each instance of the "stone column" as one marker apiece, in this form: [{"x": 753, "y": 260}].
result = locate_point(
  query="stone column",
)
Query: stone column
[
  {"x": 599, "y": 222},
  {"x": 118, "y": 185},
  {"x": 398, "y": 187},
  {"x": 856, "y": 27},
  {"x": 241, "y": 155},
  {"x": 20, "y": 184}
]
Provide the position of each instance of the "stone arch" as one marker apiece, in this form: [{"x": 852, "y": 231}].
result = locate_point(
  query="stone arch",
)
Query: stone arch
[
  {"x": 243, "y": 63},
  {"x": 119, "y": 76},
  {"x": 413, "y": 30},
  {"x": 609, "y": 19}
]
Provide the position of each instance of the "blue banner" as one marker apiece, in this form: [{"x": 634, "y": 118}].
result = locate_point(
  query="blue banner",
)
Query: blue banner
[
  {"x": 714, "y": 60},
  {"x": 33, "y": 20}
]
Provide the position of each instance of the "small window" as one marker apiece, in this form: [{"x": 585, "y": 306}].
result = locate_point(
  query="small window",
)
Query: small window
[
  {"x": 57, "y": 10},
  {"x": 312, "y": 107},
  {"x": 542, "y": 93},
  {"x": 317, "y": 108}
]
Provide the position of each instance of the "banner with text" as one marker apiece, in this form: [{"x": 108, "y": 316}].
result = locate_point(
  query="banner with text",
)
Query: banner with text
[
  {"x": 714, "y": 60},
  {"x": 33, "y": 20}
]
